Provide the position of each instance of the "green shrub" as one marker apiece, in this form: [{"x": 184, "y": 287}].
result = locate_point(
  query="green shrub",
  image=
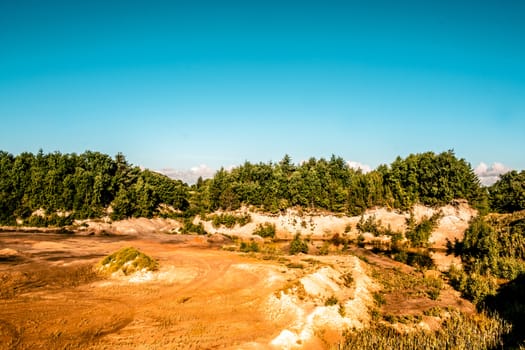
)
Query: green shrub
[
  {"x": 298, "y": 245},
  {"x": 379, "y": 299},
  {"x": 473, "y": 286},
  {"x": 418, "y": 234},
  {"x": 434, "y": 286},
  {"x": 229, "y": 220},
  {"x": 371, "y": 224},
  {"x": 249, "y": 247},
  {"x": 332, "y": 300},
  {"x": 265, "y": 230},
  {"x": 190, "y": 227},
  {"x": 337, "y": 240}
]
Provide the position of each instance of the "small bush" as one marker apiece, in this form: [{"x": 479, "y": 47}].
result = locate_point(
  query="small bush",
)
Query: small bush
[
  {"x": 324, "y": 249},
  {"x": 473, "y": 286},
  {"x": 371, "y": 224},
  {"x": 190, "y": 227},
  {"x": 348, "y": 279},
  {"x": 265, "y": 230},
  {"x": 419, "y": 259},
  {"x": 229, "y": 220},
  {"x": 249, "y": 247},
  {"x": 298, "y": 245},
  {"x": 337, "y": 240},
  {"x": 418, "y": 234},
  {"x": 332, "y": 300},
  {"x": 434, "y": 286}
]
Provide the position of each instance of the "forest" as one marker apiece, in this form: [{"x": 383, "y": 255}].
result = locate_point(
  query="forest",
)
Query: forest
[
  {"x": 90, "y": 185},
  {"x": 69, "y": 186}
]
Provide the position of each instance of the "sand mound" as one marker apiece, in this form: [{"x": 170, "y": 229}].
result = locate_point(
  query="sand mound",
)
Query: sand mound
[
  {"x": 129, "y": 261},
  {"x": 325, "y": 300}
]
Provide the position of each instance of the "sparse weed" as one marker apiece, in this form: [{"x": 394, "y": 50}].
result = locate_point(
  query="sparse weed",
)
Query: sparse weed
[{"x": 332, "y": 300}]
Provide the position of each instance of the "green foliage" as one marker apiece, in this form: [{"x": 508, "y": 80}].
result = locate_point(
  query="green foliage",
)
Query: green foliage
[
  {"x": 249, "y": 247},
  {"x": 265, "y": 230},
  {"x": 493, "y": 248},
  {"x": 433, "y": 180},
  {"x": 371, "y": 225},
  {"x": 88, "y": 184},
  {"x": 473, "y": 286},
  {"x": 84, "y": 185},
  {"x": 128, "y": 260},
  {"x": 230, "y": 220},
  {"x": 428, "y": 178},
  {"x": 338, "y": 240},
  {"x": 509, "y": 303},
  {"x": 53, "y": 220},
  {"x": 379, "y": 299},
  {"x": 298, "y": 245},
  {"x": 324, "y": 249},
  {"x": 418, "y": 234},
  {"x": 508, "y": 193},
  {"x": 434, "y": 287},
  {"x": 189, "y": 227}
]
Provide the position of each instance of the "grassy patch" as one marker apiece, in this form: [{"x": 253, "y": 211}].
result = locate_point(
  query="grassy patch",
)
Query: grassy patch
[
  {"x": 459, "y": 331},
  {"x": 410, "y": 284},
  {"x": 128, "y": 260}
]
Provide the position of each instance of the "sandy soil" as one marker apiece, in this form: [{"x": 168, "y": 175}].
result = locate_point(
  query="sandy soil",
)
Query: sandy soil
[{"x": 201, "y": 297}]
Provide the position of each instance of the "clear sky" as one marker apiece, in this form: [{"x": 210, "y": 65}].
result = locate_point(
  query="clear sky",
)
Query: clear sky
[{"x": 177, "y": 84}]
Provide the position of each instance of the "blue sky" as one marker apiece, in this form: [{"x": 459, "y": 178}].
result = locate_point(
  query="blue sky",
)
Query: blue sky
[{"x": 177, "y": 84}]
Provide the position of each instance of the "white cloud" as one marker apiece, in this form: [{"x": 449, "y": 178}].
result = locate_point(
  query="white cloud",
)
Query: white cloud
[
  {"x": 356, "y": 166},
  {"x": 191, "y": 175},
  {"x": 490, "y": 174}
]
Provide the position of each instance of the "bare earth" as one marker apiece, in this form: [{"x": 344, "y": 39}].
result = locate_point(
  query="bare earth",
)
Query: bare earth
[{"x": 201, "y": 297}]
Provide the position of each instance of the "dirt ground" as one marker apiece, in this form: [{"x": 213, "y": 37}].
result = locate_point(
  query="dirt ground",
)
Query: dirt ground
[{"x": 201, "y": 298}]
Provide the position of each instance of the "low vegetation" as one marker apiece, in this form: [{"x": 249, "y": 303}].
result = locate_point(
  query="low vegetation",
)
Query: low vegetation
[
  {"x": 265, "y": 230},
  {"x": 249, "y": 247},
  {"x": 458, "y": 331},
  {"x": 128, "y": 260},
  {"x": 298, "y": 245},
  {"x": 189, "y": 227},
  {"x": 229, "y": 220}
]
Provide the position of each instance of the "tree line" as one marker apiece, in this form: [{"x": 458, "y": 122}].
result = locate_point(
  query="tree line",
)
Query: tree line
[
  {"x": 92, "y": 184},
  {"x": 427, "y": 178},
  {"x": 71, "y": 186}
]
